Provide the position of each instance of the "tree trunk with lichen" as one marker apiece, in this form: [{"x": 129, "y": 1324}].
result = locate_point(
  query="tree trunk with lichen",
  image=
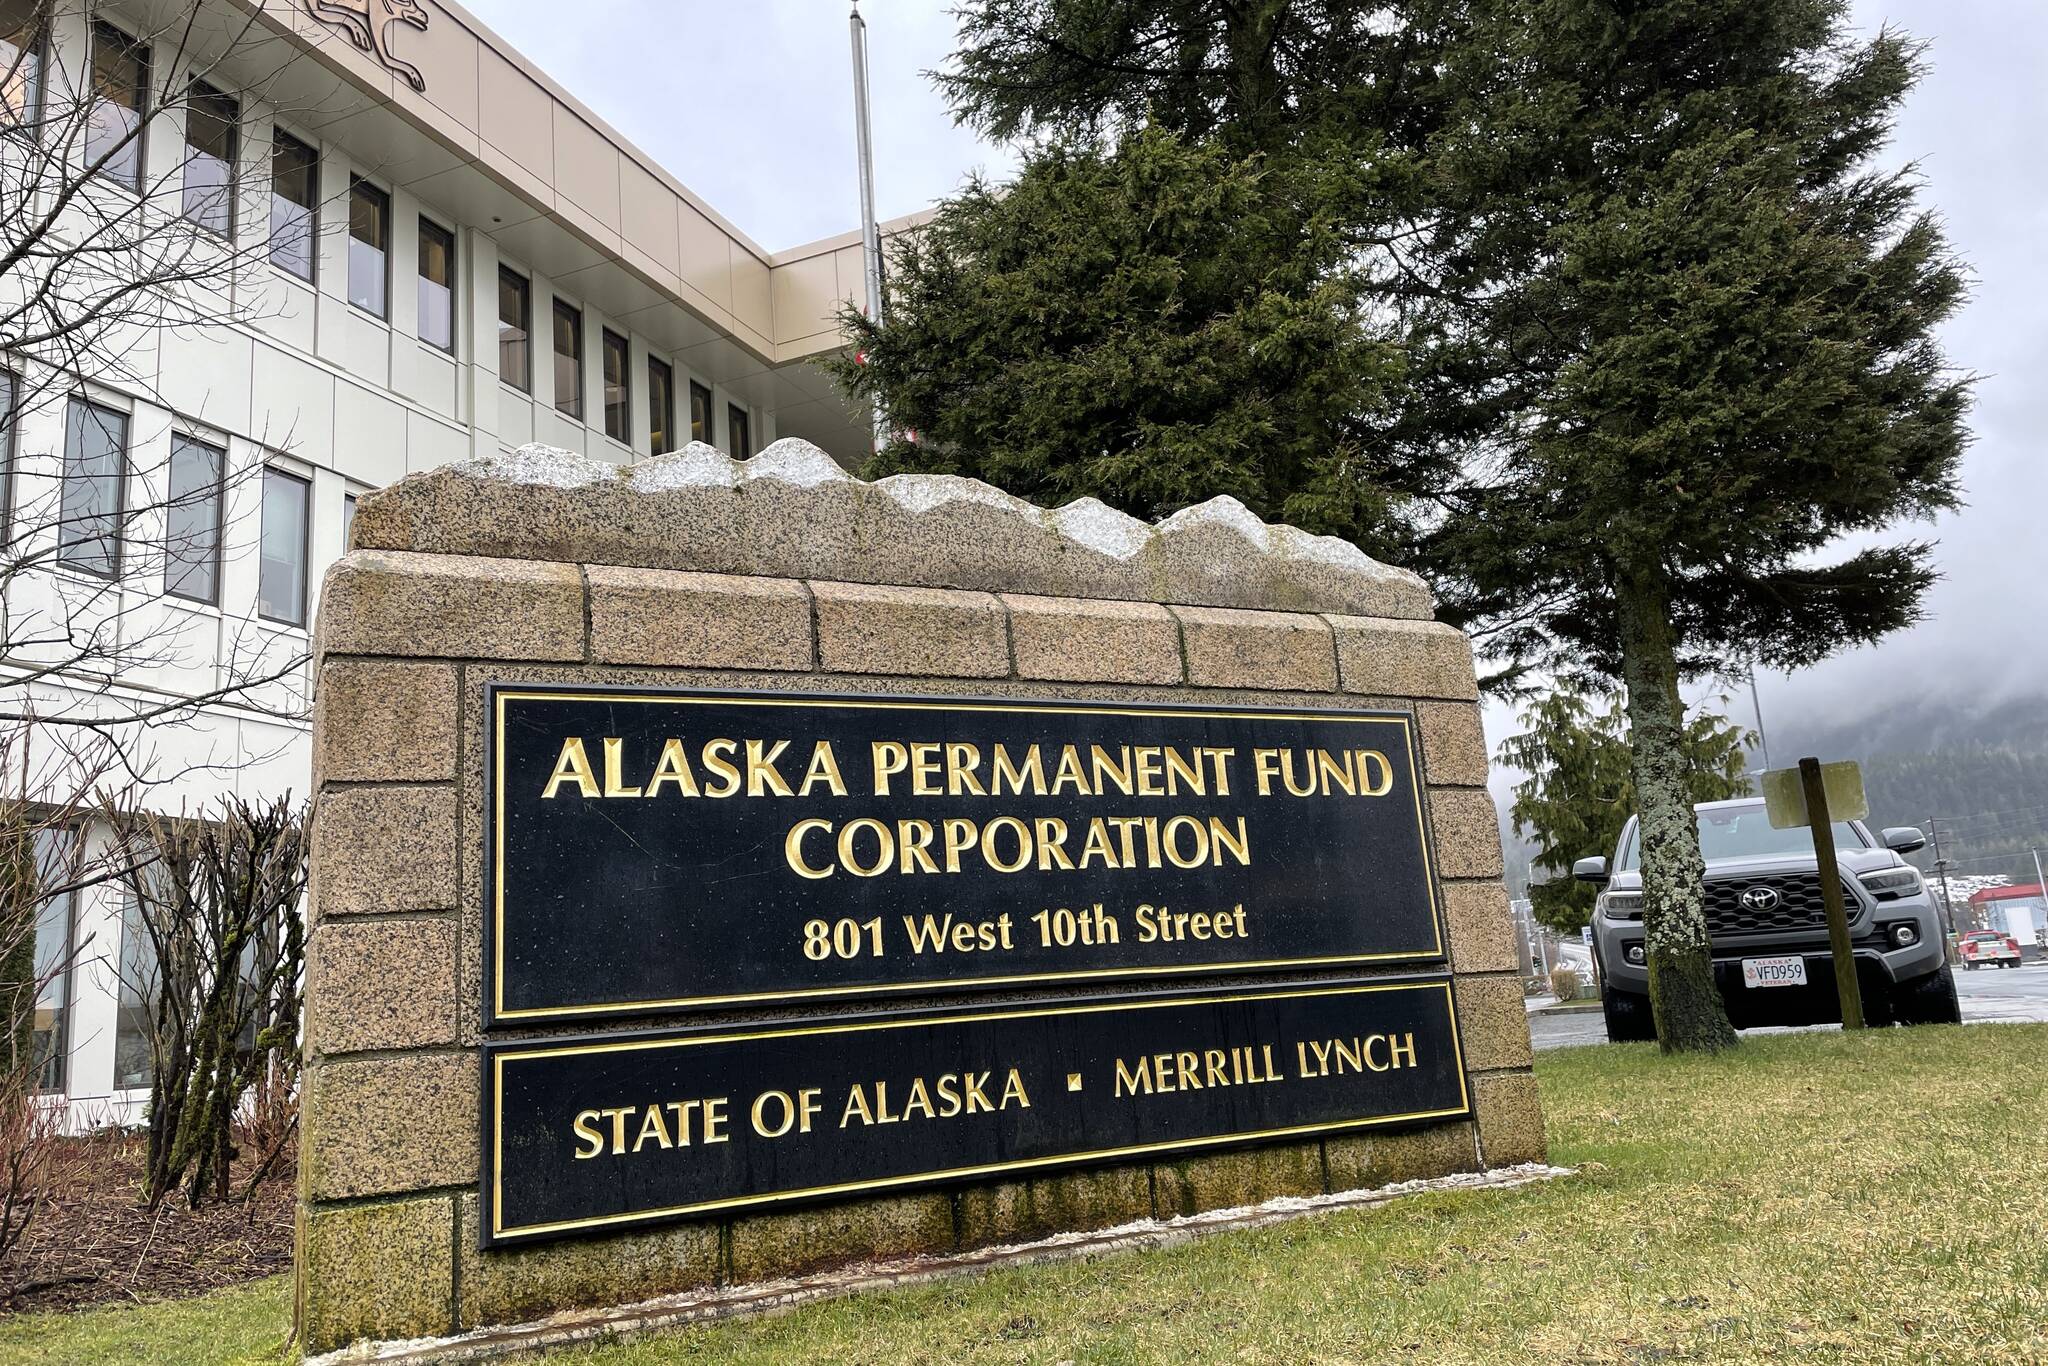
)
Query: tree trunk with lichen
[{"x": 1686, "y": 1004}]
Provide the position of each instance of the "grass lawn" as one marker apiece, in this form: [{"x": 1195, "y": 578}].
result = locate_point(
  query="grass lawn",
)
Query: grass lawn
[{"x": 1810, "y": 1198}]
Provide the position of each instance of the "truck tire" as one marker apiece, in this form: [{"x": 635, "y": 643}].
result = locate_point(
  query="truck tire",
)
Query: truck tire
[
  {"x": 1931, "y": 1000},
  {"x": 1628, "y": 1017}
]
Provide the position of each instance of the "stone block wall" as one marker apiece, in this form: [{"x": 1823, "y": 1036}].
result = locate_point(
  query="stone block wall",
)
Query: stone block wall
[{"x": 785, "y": 574}]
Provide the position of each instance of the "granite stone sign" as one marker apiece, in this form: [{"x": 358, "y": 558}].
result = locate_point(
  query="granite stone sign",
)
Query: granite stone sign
[
  {"x": 777, "y": 847},
  {"x": 728, "y": 870}
]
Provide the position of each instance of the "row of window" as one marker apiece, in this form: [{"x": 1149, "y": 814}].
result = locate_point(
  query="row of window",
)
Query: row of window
[
  {"x": 92, "y": 511},
  {"x": 120, "y": 86},
  {"x": 515, "y": 367}
]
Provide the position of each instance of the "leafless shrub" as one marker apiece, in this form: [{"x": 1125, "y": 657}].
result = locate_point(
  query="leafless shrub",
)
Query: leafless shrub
[{"x": 217, "y": 901}]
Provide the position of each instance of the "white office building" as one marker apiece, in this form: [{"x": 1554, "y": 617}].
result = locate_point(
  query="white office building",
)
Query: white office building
[{"x": 443, "y": 254}]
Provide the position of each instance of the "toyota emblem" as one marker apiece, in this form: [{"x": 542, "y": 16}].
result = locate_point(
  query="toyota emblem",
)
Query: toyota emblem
[{"x": 1760, "y": 899}]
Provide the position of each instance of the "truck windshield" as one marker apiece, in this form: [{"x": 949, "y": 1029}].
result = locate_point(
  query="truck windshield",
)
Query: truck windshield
[{"x": 1740, "y": 832}]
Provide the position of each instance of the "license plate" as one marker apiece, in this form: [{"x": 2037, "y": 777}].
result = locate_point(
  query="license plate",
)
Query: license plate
[{"x": 1774, "y": 972}]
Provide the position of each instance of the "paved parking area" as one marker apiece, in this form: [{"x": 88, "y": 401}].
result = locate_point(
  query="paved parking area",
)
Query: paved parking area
[{"x": 1987, "y": 994}]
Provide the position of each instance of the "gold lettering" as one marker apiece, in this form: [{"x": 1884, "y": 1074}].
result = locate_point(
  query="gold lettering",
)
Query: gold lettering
[
  {"x": 763, "y": 777},
  {"x": 924, "y": 769},
  {"x": 1179, "y": 770},
  {"x": 914, "y": 842},
  {"x": 1266, "y": 764},
  {"x": 888, "y": 757},
  {"x": 1008, "y": 772},
  {"x": 652, "y": 1127},
  {"x": 614, "y": 760},
  {"x": 1381, "y": 786},
  {"x": 1116, "y": 770},
  {"x": 1145, "y": 762},
  {"x": 573, "y": 766},
  {"x": 1174, "y": 853},
  {"x": 793, "y": 848},
  {"x": 1013, "y": 1088},
  {"x": 823, "y": 769},
  {"x": 887, "y": 847},
  {"x": 583, "y": 1127},
  {"x": 1070, "y": 772},
  {"x": 1052, "y": 837},
  {"x": 672, "y": 767},
  {"x": 961, "y": 762},
  {"x": 988, "y": 844},
  {"x": 959, "y": 835},
  {"x": 1329, "y": 770},
  {"x": 1129, "y": 1083},
  {"x": 718, "y": 758},
  {"x": 1239, "y": 845}
]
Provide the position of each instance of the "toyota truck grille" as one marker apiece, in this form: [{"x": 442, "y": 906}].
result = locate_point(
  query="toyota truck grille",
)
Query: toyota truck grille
[{"x": 1741, "y": 906}]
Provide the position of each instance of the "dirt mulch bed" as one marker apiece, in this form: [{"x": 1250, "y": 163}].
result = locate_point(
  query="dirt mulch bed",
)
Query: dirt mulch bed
[{"x": 93, "y": 1242}]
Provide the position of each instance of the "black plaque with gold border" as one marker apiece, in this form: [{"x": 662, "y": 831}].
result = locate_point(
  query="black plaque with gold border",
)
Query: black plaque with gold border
[
  {"x": 661, "y": 850},
  {"x": 591, "y": 1134}
]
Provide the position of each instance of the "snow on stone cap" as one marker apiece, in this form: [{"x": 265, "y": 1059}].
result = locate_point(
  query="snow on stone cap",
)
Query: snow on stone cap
[{"x": 793, "y": 512}]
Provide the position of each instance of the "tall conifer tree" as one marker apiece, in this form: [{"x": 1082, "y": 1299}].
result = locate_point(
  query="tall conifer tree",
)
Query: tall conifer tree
[
  {"x": 1696, "y": 322},
  {"x": 1668, "y": 329}
]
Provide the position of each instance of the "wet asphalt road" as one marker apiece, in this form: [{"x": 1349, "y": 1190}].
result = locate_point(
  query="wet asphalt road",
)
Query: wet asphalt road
[{"x": 1987, "y": 994}]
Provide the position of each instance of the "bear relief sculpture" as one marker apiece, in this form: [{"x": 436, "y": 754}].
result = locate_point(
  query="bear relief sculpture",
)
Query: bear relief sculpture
[{"x": 368, "y": 26}]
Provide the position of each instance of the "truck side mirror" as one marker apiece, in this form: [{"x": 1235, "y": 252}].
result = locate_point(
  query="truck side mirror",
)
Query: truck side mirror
[
  {"x": 1595, "y": 869},
  {"x": 1904, "y": 839}
]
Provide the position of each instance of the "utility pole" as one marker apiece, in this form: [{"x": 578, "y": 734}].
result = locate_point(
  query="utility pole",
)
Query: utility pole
[
  {"x": 1756, "y": 704},
  {"x": 870, "y": 232},
  {"x": 2042, "y": 888},
  {"x": 1948, "y": 907}
]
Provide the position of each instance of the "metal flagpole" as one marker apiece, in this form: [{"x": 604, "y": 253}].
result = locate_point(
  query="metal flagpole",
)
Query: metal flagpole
[{"x": 870, "y": 234}]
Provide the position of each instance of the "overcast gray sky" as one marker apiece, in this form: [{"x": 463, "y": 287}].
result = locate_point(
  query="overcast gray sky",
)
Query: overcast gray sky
[{"x": 750, "y": 105}]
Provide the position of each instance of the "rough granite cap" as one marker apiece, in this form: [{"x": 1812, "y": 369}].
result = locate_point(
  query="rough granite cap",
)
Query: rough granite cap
[{"x": 793, "y": 512}]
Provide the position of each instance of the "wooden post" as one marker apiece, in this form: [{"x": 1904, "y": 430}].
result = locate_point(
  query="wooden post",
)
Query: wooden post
[{"x": 1831, "y": 893}]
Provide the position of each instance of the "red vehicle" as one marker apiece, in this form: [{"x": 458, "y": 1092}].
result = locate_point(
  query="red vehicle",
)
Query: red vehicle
[{"x": 1995, "y": 948}]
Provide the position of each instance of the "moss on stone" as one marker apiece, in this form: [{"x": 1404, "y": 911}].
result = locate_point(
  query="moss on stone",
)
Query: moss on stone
[
  {"x": 768, "y": 1245},
  {"x": 1374, "y": 1158},
  {"x": 510, "y": 1285},
  {"x": 375, "y": 1271},
  {"x": 1246, "y": 1177},
  {"x": 1018, "y": 1211}
]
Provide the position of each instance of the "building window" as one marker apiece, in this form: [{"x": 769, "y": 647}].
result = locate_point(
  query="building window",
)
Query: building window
[
  {"x": 213, "y": 151},
  {"x": 138, "y": 987},
  {"x": 90, "y": 504},
  {"x": 740, "y": 435},
  {"x": 57, "y": 854},
  {"x": 568, "y": 361},
  {"x": 294, "y": 204},
  {"x": 661, "y": 406},
  {"x": 618, "y": 389},
  {"x": 437, "y": 286},
  {"x": 116, "y": 122},
  {"x": 700, "y": 413},
  {"x": 369, "y": 244},
  {"x": 7, "y": 397},
  {"x": 515, "y": 331},
  {"x": 281, "y": 577},
  {"x": 348, "y": 520},
  {"x": 192, "y": 520},
  {"x": 21, "y": 61}
]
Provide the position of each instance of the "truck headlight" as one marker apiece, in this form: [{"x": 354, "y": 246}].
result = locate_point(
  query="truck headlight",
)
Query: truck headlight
[
  {"x": 1891, "y": 884},
  {"x": 1620, "y": 905}
]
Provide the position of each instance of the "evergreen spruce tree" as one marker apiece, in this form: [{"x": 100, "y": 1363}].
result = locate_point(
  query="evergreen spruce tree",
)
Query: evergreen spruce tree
[
  {"x": 1668, "y": 329},
  {"x": 1580, "y": 790},
  {"x": 1152, "y": 323},
  {"x": 1697, "y": 320}
]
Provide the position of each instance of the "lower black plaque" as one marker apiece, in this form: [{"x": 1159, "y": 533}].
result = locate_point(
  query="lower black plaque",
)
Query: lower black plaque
[{"x": 627, "y": 1130}]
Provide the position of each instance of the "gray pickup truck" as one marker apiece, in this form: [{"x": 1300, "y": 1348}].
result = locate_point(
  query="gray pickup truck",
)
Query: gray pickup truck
[{"x": 1769, "y": 928}]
